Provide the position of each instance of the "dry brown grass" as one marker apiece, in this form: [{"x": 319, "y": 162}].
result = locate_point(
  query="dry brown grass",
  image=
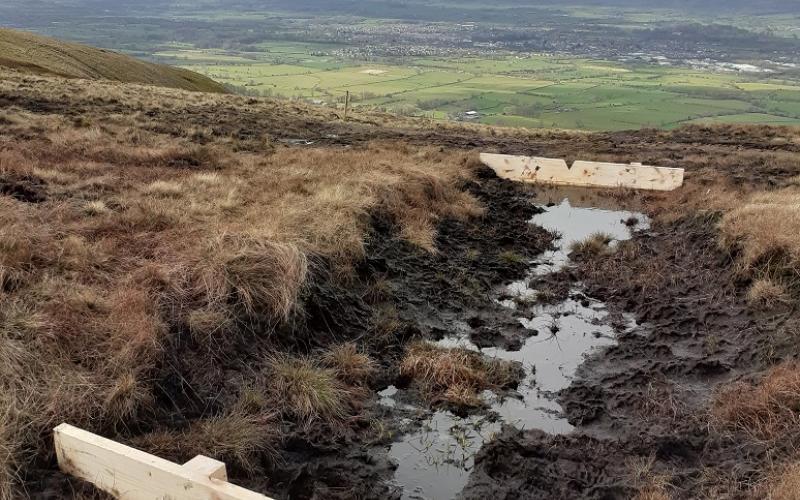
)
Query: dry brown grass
[
  {"x": 261, "y": 276},
  {"x": 350, "y": 365},
  {"x": 766, "y": 293},
  {"x": 238, "y": 439},
  {"x": 303, "y": 390},
  {"x": 765, "y": 230},
  {"x": 764, "y": 410},
  {"x": 784, "y": 484},
  {"x": 456, "y": 375}
]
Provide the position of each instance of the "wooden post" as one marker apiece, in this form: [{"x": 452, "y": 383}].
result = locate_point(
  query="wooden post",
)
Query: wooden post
[
  {"x": 129, "y": 474},
  {"x": 346, "y": 104}
]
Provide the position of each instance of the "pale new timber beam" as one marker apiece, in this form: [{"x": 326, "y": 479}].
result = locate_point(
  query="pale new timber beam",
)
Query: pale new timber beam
[
  {"x": 131, "y": 474},
  {"x": 583, "y": 173}
]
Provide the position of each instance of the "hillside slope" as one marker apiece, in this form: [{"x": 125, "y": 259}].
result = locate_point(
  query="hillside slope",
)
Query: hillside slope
[
  {"x": 42, "y": 55},
  {"x": 242, "y": 278}
]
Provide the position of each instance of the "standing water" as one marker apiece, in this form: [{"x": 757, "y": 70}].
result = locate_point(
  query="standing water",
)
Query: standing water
[{"x": 435, "y": 460}]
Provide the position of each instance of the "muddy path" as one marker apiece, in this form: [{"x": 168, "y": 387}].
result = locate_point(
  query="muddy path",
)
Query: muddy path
[
  {"x": 660, "y": 318},
  {"x": 472, "y": 294},
  {"x": 668, "y": 323},
  {"x": 644, "y": 399}
]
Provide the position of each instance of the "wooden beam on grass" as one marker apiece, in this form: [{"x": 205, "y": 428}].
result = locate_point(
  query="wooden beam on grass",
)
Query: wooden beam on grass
[
  {"x": 533, "y": 169},
  {"x": 130, "y": 474}
]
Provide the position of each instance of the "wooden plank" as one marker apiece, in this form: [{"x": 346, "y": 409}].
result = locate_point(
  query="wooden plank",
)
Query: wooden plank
[
  {"x": 207, "y": 467},
  {"x": 131, "y": 474},
  {"x": 583, "y": 173}
]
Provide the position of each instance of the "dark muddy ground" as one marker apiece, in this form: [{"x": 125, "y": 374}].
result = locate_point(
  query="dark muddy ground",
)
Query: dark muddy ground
[{"x": 645, "y": 398}]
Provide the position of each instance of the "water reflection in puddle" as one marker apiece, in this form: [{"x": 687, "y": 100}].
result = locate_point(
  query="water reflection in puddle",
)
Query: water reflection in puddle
[
  {"x": 575, "y": 222},
  {"x": 435, "y": 460}
]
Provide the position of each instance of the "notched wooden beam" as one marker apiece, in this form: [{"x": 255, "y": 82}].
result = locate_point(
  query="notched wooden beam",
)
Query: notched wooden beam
[{"x": 533, "y": 169}]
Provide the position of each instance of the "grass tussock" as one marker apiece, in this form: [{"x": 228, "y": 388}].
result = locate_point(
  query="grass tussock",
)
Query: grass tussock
[
  {"x": 594, "y": 246},
  {"x": 305, "y": 391},
  {"x": 456, "y": 376},
  {"x": 237, "y": 438},
  {"x": 350, "y": 365},
  {"x": 767, "y": 294},
  {"x": 784, "y": 484},
  {"x": 765, "y": 410},
  {"x": 262, "y": 277},
  {"x": 764, "y": 233}
]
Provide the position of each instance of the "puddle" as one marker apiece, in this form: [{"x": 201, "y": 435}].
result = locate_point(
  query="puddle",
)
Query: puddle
[
  {"x": 434, "y": 462},
  {"x": 577, "y": 220}
]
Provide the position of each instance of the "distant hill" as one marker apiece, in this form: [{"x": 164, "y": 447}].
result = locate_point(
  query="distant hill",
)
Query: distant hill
[{"x": 37, "y": 54}]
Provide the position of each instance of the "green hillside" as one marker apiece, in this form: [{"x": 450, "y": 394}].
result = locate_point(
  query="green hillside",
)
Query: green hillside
[{"x": 38, "y": 54}]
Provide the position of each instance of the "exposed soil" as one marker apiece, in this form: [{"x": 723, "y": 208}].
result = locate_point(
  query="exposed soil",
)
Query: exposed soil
[
  {"x": 472, "y": 258},
  {"x": 27, "y": 189}
]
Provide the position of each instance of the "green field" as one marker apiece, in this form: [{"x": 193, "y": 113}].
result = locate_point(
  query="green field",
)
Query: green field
[{"x": 530, "y": 91}]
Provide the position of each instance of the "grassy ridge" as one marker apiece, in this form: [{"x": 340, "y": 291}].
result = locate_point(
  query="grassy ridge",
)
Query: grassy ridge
[{"x": 42, "y": 55}]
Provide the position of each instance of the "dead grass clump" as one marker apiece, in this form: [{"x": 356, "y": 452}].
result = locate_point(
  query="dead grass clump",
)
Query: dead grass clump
[
  {"x": 19, "y": 252},
  {"x": 166, "y": 189},
  {"x": 766, "y": 233},
  {"x": 238, "y": 439},
  {"x": 303, "y": 390},
  {"x": 767, "y": 294},
  {"x": 151, "y": 215},
  {"x": 210, "y": 325},
  {"x": 462, "y": 395},
  {"x": 95, "y": 208},
  {"x": 456, "y": 375},
  {"x": 263, "y": 277},
  {"x": 650, "y": 485},
  {"x": 784, "y": 484},
  {"x": 127, "y": 397},
  {"x": 595, "y": 245},
  {"x": 20, "y": 321},
  {"x": 351, "y": 366},
  {"x": 764, "y": 410}
]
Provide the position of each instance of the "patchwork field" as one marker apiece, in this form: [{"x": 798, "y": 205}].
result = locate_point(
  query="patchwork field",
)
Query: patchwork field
[{"x": 538, "y": 91}]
